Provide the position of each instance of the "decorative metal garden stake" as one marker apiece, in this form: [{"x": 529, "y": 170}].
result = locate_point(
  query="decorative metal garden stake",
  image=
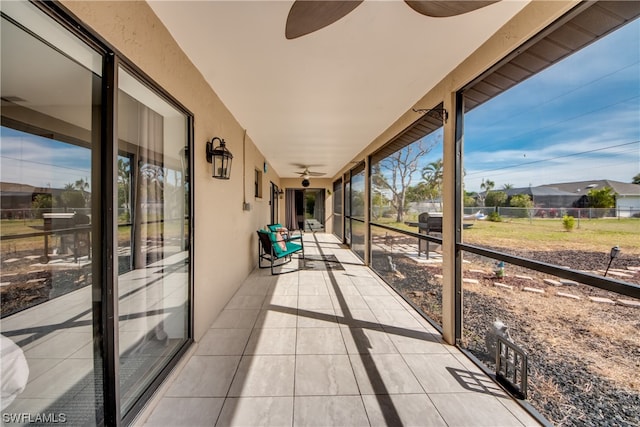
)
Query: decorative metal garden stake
[{"x": 615, "y": 251}]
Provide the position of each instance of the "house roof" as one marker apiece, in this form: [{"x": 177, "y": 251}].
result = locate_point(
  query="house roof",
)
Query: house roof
[
  {"x": 17, "y": 188},
  {"x": 538, "y": 191},
  {"x": 583, "y": 187}
]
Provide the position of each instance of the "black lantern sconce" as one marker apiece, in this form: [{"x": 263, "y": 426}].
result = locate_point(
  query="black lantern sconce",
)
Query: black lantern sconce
[
  {"x": 305, "y": 182},
  {"x": 220, "y": 158},
  {"x": 615, "y": 251},
  {"x": 281, "y": 193}
]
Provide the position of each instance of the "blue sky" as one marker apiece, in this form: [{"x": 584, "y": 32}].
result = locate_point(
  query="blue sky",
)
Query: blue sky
[
  {"x": 578, "y": 120},
  {"x": 41, "y": 162}
]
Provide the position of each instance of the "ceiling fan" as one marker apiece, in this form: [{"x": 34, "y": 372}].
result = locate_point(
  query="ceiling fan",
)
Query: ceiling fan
[
  {"x": 306, "y": 173},
  {"x": 307, "y": 16}
]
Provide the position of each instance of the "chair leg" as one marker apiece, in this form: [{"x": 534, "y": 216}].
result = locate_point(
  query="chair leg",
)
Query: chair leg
[{"x": 272, "y": 257}]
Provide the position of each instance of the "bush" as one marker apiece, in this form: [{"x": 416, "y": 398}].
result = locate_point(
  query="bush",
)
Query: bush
[
  {"x": 602, "y": 198},
  {"x": 42, "y": 203},
  {"x": 568, "y": 222},
  {"x": 494, "y": 217}
]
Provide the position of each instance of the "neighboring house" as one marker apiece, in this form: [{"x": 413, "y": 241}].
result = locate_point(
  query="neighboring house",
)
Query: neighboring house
[
  {"x": 16, "y": 196},
  {"x": 546, "y": 197},
  {"x": 627, "y": 195},
  {"x": 19, "y": 197},
  {"x": 574, "y": 194}
]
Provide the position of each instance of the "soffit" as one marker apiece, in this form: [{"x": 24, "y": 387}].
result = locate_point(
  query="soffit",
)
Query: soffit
[{"x": 566, "y": 36}]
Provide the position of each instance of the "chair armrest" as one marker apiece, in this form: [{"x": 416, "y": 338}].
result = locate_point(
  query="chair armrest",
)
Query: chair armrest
[{"x": 294, "y": 236}]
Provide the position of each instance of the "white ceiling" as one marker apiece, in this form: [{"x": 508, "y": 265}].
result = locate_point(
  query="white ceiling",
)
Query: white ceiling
[{"x": 319, "y": 99}]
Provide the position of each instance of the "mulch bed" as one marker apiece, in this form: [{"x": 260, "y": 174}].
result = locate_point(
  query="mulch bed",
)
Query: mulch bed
[{"x": 584, "y": 357}]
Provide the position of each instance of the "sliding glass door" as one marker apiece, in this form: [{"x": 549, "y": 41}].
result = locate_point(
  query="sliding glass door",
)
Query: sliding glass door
[
  {"x": 50, "y": 283},
  {"x": 95, "y": 278},
  {"x": 153, "y": 234}
]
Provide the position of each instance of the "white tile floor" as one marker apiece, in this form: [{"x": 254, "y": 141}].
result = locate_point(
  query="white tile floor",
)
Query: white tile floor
[
  {"x": 57, "y": 338},
  {"x": 328, "y": 348}
]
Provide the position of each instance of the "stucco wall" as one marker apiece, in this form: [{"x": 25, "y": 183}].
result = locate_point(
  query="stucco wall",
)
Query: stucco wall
[{"x": 225, "y": 241}]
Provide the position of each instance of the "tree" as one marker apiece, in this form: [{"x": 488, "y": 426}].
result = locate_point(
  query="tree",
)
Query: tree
[
  {"x": 601, "y": 198},
  {"x": 469, "y": 199},
  {"x": 636, "y": 179},
  {"x": 378, "y": 203},
  {"x": 419, "y": 192},
  {"x": 507, "y": 186},
  {"x": 83, "y": 187},
  {"x": 396, "y": 172},
  {"x": 124, "y": 187},
  {"x": 40, "y": 203},
  {"x": 487, "y": 186},
  {"x": 71, "y": 197},
  {"x": 495, "y": 198},
  {"x": 521, "y": 201},
  {"x": 433, "y": 175}
]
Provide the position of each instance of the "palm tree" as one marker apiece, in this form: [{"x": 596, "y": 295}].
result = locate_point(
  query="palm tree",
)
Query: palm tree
[
  {"x": 82, "y": 185},
  {"x": 432, "y": 174},
  {"x": 507, "y": 186},
  {"x": 487, "y": 186}
]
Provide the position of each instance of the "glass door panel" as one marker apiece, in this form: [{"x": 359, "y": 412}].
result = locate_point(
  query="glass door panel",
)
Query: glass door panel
[
  {"x": 49, "y": 288},
  {"x": 153, "y": 235}
]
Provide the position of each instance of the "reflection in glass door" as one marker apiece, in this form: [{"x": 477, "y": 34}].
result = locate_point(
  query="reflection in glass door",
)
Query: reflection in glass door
[
  {"x": 356, "y": 211},
  {"x": 50, "y": 286},
  {"x": 274, "y": 203},
  {"x": 337, "y": 209},
  {"x": 153, "y": 235}
]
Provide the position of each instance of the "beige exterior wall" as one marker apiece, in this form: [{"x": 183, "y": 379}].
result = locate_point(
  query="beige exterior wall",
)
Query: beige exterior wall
[
  {"x": 225, "y": 241},
  {"x": 225, "y": 249}
]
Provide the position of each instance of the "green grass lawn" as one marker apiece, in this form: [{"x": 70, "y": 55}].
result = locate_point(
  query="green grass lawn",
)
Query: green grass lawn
[
  {"x": 588, "y": 235},
  {"x": 20, "y": 226},
  {"x": 16, "y": 227},
  {"x": 593, "y": 235}
]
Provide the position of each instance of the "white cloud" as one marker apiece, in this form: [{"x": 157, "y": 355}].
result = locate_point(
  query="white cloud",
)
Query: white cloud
[{"x": 40, "y": 162}]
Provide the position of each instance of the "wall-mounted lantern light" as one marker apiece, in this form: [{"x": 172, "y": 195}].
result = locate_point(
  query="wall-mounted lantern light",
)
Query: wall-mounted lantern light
[
  {"x": 281, "y": 193},
  {"x": 220, "y": 158},
  {"x": 305, "y": 182}
]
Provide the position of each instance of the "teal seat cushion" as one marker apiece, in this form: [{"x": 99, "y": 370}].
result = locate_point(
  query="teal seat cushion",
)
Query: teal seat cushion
[{"x": 282, "y": 247}]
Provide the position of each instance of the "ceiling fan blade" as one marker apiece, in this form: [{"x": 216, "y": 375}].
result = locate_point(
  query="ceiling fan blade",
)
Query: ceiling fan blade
[
  {"x": 307, "y": 16},
  {"x": 442, "y": 9},
  {"x": 315, "y": 173}
]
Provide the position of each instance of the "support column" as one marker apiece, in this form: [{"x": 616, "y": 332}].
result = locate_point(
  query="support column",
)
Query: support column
[
  {"x": 451, "y": 292},
  {"x": 367, "y": 210}
]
